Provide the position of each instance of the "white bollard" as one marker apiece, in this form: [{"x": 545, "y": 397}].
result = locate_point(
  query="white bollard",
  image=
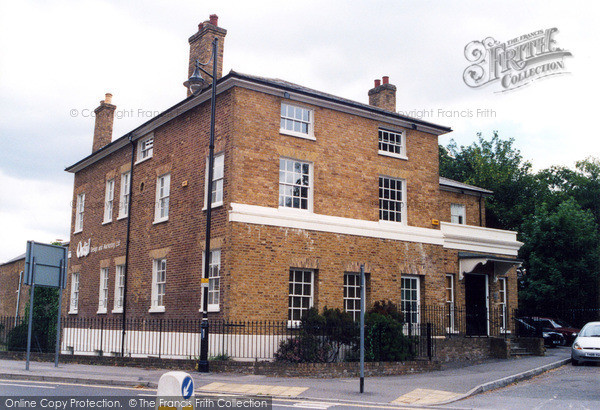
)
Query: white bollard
[{"x": 175, "y": 391}]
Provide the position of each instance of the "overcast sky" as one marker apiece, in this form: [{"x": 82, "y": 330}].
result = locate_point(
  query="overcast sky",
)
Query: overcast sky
[{"x": 58, "y": 58}]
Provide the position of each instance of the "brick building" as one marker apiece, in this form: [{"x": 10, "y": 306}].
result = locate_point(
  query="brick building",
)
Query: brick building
[
  {"x": 307, "y": 187},
  {"x": 12, "y": 289}
]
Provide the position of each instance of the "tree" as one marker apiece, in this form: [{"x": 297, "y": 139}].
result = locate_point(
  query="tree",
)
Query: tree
[
  {"x": 495, "y": 165},
  {"x": 561, "y": 253}
]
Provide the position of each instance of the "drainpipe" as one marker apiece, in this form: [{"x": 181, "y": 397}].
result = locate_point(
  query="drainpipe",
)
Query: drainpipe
[
  {"x": 129, "y": 203},
  {"x": 480, "y": 210}
]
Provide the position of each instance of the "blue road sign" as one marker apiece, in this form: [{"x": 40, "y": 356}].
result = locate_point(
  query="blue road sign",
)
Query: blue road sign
[
  {"x": 187, "y": 387},
  {"x": 45, "y": 265}
]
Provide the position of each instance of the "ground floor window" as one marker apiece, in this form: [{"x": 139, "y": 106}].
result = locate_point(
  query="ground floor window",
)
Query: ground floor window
[
  {"x": 74, "y": 292},
  {"x": 502, "y": 303},
  {"x": 103, "y": 291},
  {"x": 159, "y": 280},
  {"x": 301, "y": 288},
  {"x": 410, "y": 296},
  {"x": 119, "y": 288},
  {"x": 450, "y": 302},
  {"x": 214, "y": 279},
  {"x": 352, "y": 294}
]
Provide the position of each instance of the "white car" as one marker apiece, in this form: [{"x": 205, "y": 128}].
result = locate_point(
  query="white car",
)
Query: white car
[{"x": 586, "y": 347}]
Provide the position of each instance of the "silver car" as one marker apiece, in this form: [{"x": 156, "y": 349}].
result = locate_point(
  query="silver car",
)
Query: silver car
[{"x": 586, "y": 347}]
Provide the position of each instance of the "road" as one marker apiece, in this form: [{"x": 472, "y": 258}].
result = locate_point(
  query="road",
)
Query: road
[{"x": 567, "y": 387}]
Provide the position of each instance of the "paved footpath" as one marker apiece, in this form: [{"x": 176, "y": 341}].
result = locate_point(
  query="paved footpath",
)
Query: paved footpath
[{"x": 449, "y": 384}]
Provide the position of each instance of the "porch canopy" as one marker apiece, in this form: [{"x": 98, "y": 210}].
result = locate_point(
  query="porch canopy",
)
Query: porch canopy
[{"x": 468, "y": 262}]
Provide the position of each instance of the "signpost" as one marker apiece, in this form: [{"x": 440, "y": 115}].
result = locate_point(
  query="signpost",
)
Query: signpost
[
  {"x": 45, "y": 265},
  {"x": 362, "y": 327}
]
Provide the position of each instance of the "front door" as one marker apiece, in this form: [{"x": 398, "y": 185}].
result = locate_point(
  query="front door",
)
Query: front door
[{"x": 476, "y": 304}]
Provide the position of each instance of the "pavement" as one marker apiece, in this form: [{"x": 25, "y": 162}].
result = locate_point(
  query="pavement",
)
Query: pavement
[{"x": 453, "y": 382}]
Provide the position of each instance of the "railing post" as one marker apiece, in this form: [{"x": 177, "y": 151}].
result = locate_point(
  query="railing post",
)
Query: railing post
[
  {"x": 160, "y": 323},
  {"x": 409, "y": 319},
  {"x": 429, "y": 341},
  {"x": 101, "y": 336}
]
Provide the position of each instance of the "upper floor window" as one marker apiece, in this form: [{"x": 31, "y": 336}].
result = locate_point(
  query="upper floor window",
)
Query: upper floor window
[
  {"x": 108, "y": 200},
  {"x": 79, "y": 212},
  {"x": 124, "y": 196},
  {"x": 295, "y": 184},
  {"x": 217, "y": 185},
  {"x": 296, "y": 121},
  {"x": 163, "y": 187},
  {"x": 392, "y": 199},
  {"x": 159, "y": 281},
  {"x": 145, "y": 148},
  {"x": 392, "y": 143},
  {"x": 457, "y": 213}
]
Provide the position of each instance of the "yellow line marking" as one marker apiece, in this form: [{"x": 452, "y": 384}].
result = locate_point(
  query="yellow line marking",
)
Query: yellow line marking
[
  {"x": 256, "y": 389},
  {"x": 425, "y": 396}
]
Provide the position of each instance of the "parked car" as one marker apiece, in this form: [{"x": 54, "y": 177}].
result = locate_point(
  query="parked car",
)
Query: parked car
[
  {"x": 586, "y": 347},
  {"x": 551, "y": 338},
  {"x": 555, "y": 325}
]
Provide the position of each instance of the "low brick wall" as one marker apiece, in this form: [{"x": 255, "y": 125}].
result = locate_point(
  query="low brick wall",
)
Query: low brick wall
[
  {"x": 329, "y": 370},
  {"x": 533, "y": 344},
  {"x": 463, "y": 349}
]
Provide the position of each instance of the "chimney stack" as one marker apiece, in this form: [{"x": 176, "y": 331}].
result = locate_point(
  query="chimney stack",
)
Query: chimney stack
[
  {"x": 201, "y": 47},
  {"x": 105, "y": 115},
  {"x": 383, "y": 95}
]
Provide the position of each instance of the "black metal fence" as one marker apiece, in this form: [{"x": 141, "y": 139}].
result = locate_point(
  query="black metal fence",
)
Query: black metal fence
[{"x": 260, "y": 340}]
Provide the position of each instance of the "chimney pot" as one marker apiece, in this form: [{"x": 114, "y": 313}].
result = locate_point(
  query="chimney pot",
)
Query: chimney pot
[
  {"x": 386, "y": 79},
  {"x": 214, "y": 20},
  {"x": 108, "y": 98},
  {"x": 377, "y": 83},
  {"x": 201, "y": 47},
  {"x": 200, "y": 26}
]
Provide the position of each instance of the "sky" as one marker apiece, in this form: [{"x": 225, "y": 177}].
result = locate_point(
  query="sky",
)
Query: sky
[{"x": 59, "y": 58}]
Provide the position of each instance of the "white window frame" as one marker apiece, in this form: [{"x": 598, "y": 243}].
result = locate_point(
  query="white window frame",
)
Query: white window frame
[
  {"x": 352, "y": 289},
  {"x": 218, "y": 180},
  {"x": 415, "y": 301},
  {"x": 163, "y": 193},
  {"x": 503, "y": 303},
  {"x": 109, "y": 200},
  {"x": 287, "y": 118},
  {"x": 284, "y": 192},
  {"x": 294, "y": 295},
  {"x": 392, "y": 148},
  {"x": 458, "y": 214},
  {"x": 214, "y": 281},
  {"x": 145, "y": 148},
  {"x": 79, "y": 212},
  {"x": 119, "y": 288},
  {"x": 159, "y": 285},
  {"x": 124, "y": 195},
  {"x": 403, "y": 212},
  {"x": 450, "y": 305},
  {"x": 103, "y": 291},
  {"x": 74, "y": 302}
]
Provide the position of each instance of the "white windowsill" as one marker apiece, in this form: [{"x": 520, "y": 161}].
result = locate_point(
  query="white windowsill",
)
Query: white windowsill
[
  {"x": 293, "y": 324},
  {"x": 117, "y": 310},
  {"x": 215, "y": 205},
  {"x": 101, "y": 312},
  {"x": 122, "y": 217},
  {"x": 298, "y": 134},
  {"x": 139, "y": 161},
  {"x": 79, "y": 231},
  {"x": 211, "y": 309},
  {"x": 392, "y": 155},
  {"x": 106, "y": 222},
  {"x": 392, "y": 223},
  {"x": 156, "y": 309},
  {"x": 159, "y": 221},
  {"x": 294, "y": 211},
  {"x": 72, "y": 312}
]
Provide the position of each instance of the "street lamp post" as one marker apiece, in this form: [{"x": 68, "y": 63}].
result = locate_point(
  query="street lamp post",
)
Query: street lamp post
[{"x": 196, "y": 84}]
